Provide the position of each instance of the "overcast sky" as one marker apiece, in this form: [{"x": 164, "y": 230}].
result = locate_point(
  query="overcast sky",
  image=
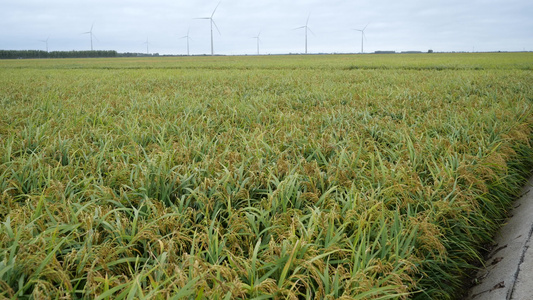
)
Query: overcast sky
[{"x": 441, "y": 25}]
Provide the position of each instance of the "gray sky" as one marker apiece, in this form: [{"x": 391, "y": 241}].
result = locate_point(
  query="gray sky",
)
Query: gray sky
[{"x": 441, "y": 25}]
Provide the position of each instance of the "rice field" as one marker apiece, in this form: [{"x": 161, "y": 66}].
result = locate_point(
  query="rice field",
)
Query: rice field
[{"x": 271, "y": 177}]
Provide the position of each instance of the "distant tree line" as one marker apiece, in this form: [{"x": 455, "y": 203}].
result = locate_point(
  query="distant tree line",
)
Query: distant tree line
[
  {"x": 16, "y": 54},
  {"x": 135, "y": 54}
]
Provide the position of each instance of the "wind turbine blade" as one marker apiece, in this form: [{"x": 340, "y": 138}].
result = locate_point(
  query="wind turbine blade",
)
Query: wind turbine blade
[
  {"x": 311, "y": 31},
  {"x": 215, "y": 9},
  {"x": 206, "y": 18},
  {"x": 216, "y": 26},
  {"x": 299, "y": 27},
  {"x": 365, "y": 27},
  {"x": 307, "y": 22}
]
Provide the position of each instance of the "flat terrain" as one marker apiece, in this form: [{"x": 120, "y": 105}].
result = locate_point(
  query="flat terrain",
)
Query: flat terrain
[{"x": 336, "y": 176}]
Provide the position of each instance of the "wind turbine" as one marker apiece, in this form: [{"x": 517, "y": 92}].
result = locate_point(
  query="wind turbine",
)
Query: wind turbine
[
  {"x": 212, "y": 22},
  {"x": 45, "y": 41},
  {"x": 90, "y": 32},
  {"x": 362, "y": 36},
  {"x": 188, "y": 38},
  {"x": 306, "y": 28},
  {"x": 147, "y": 53},
  {"x": 258, "y": 40}
]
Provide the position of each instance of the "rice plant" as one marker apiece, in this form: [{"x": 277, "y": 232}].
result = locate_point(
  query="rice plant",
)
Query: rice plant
[{"x": 324, "y": 177}]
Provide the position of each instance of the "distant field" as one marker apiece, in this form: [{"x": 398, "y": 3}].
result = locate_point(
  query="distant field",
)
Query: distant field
[{"x": 268, "y": 177}]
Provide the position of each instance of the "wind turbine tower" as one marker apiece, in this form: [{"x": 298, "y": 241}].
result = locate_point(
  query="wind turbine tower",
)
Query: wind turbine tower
[
  {"x": 306, "y": 28},
  {"x": 258, "y": 40},
  {"x": 188, "y": 38},
  {"x": 46, "y": 42},
  {"x": 90, "y": 32},
  {"x": 147, "y": 52},
  {"x": 212, "y": 23},
  {"x": 362, "y": 36}
]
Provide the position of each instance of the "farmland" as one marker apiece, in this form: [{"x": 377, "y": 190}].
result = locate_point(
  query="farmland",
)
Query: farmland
[{"x": 345, "y": 176}]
